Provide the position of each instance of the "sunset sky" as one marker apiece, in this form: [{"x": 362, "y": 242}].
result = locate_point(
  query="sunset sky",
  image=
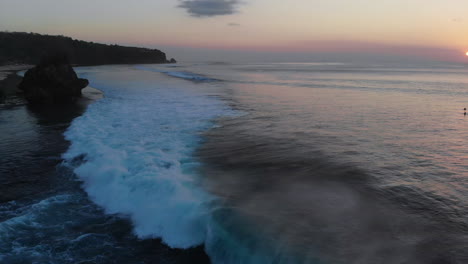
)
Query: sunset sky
[{"x": 431, "y": 29}]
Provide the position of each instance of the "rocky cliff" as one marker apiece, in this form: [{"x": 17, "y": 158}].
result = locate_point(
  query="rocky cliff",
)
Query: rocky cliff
[
  {"x": 52, "y": 81},
  {"x": 29, "y": 48}
]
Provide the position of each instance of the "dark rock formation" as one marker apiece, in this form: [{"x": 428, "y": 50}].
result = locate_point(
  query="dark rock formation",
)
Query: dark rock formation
[
  {"x": 172, "y": 60},
  {"x": 8, "y": 87},
  {"x": 52, "y": 81}
]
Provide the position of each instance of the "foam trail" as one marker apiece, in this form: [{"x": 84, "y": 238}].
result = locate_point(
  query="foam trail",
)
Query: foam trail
[
  {"x": 178, "y": 74},
  {"x": 137, "y": 143},
  {"x": 134, "y": 152}
]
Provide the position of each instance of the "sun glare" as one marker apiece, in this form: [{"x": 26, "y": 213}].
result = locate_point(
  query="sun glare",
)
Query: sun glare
[{"x": 467, "y": 53}]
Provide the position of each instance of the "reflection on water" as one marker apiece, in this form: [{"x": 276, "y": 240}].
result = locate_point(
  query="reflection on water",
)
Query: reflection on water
[
  {"x": 330, "y": 164},
  {"x": 362, "y": 166},
  {"x": 31, "y": 142}
]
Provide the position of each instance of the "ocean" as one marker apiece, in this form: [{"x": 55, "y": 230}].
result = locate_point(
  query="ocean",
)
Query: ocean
[{"x": 241, "y": 163}]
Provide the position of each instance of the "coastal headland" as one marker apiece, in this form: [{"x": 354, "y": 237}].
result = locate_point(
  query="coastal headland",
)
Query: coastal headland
[
  {"x": 21, "y": 51},
  {"x": 30, "y": 48}
]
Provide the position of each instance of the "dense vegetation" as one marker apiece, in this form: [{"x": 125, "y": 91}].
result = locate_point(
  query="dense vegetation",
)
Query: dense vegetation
[{"x": 29, "y": 48}]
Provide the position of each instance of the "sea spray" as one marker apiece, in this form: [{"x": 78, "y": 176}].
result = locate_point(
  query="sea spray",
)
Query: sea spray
[
  {"x": 232, "y": 238},
  {"x": 137, "y": 144},
  {"x": 134, "y": 152},
  {"x": 291, "y": 169}
]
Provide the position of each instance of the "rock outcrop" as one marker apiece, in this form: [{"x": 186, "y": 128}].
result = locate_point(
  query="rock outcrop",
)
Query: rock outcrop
[
  {"x": 172, "y": 60},
  {"x": 52, "y": 81}
]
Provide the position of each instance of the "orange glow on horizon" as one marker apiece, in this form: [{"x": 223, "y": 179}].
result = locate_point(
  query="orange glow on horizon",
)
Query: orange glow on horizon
[{"x": 416, "y": 28}]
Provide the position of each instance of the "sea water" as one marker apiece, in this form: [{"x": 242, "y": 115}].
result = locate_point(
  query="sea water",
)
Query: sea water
[{"x": 255, "y": 163}]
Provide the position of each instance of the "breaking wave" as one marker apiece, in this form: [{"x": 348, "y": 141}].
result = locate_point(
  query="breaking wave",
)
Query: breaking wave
[{"x": 136, "y": 147}]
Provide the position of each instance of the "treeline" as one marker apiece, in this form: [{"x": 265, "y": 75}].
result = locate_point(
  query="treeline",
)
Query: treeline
[{"x": 29, "y": 48}]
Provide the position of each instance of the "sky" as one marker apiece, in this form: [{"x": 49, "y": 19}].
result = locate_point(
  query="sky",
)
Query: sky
[{"x": 260, "y": 29}]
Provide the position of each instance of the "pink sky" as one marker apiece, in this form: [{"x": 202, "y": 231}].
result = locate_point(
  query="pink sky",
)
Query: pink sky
[{"x": 430, "y": 29}]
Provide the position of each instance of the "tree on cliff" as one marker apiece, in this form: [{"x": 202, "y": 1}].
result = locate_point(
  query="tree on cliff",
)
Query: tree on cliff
[{"x": 29, "y": 48}]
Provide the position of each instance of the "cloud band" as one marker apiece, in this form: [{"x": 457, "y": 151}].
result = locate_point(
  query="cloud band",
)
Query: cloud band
[{"x": 209, "y": 8}]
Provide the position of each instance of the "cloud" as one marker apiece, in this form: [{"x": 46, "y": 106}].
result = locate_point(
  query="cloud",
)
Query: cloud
[
  {"x": 232, "y": 24},
  {"x": 209, "y": 8}
]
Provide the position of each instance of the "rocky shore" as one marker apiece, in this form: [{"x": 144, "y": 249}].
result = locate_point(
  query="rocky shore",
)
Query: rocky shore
[{"x": 10, "y": 94}]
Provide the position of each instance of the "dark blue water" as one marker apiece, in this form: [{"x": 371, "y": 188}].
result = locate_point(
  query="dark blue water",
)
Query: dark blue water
[
  {"x": 258, "y": 163},
  {"x": 45, "y": 216}
]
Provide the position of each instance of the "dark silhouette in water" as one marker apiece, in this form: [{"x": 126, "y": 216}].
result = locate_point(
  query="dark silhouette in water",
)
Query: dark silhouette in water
[
  {"x": 8, "y": 86},
  {"x": 52, "y": 81}
]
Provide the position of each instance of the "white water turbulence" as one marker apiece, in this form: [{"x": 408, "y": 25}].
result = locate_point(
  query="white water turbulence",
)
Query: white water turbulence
[{"x": 133, "y": 151}]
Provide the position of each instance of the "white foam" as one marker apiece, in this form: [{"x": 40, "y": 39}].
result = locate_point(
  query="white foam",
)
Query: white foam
[
  {"x": 188, "y": 75},
  {"x": 138, "y": 143},
  {"x": 29, "y": 218}
]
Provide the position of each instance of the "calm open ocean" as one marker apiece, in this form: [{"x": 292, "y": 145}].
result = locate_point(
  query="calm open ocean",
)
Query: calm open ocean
[{"x": 241, "y": 163}]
